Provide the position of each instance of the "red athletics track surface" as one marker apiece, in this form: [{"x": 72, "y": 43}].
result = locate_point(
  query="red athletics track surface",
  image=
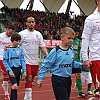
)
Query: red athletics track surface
[{"x": 45, "y": 92}]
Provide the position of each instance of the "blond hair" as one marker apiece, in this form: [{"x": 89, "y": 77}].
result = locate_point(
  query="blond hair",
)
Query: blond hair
[{"x": 66, "y": 30}]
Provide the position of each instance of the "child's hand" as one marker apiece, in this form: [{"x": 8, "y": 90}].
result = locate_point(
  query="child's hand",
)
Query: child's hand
[
  {"x": 12, "y": 74},
  {"x": 24, "y": 75},
  {"x": 39, "y": 83},
  {"x": 76, "y": 53},
  {"x": 48, "y": 71}
]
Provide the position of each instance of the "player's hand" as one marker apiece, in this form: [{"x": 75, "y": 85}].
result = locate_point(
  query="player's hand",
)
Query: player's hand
[
  {"x": 87, "y": 64},
  {"x": 1, "y": 72},
  {"x": 44, "y": 56},
  {"x": 12, "y": 74},
  {"x": 7, "y": 46},
  {"x": 24, "y": 75},
  {"x": 39, "y": 83}
]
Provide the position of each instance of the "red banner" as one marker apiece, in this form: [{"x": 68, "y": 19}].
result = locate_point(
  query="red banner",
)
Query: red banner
[{"x": 52, "y": 43}]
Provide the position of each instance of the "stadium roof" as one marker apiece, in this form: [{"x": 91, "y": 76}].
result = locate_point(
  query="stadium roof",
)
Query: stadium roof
[
  {"x": 53, "y": 5},
  {"x": 87, "y": 6},
  {"x": 13, "y": 3}
]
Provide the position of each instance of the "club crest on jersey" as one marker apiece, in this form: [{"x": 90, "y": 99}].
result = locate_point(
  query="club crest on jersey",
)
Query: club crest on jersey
[
  {"x": 67, "y": 53},
  {"x": 18, "y": 53},
  {"x": 37, "y": 36}
]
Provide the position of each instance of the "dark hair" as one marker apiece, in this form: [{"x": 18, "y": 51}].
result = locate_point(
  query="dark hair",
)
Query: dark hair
[
  {"x": 10, "y": 26},
  {"x": 15, "y": 37},
  {"x": 95, "y": 2},
  {"x": 29, "y": 17},
  {"x": 76, "y": 29}
]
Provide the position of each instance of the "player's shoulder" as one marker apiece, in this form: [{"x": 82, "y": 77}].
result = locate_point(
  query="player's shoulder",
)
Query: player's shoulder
[
  {"x": 37, "y": 32},
  {"x": 1, "y": 34},
  {"x": 70, "y": 48},
  {"x": 78, "y": 40},
  {"x": 92, "y": 16},
  {"x": 18, "y": 48},
  {"x": 57, "y": 48},
  {"x": 23, "y": 32}
]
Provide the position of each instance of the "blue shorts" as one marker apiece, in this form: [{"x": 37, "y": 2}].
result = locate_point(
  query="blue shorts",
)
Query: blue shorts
[
  {"x": 17, "y": 72},
  {"x": 61, "y": 87}
]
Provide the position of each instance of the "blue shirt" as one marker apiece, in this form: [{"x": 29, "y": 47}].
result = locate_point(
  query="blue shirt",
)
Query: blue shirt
[
  {"x": 59, "y": 63},
  {"x": 14, "y": 57}
]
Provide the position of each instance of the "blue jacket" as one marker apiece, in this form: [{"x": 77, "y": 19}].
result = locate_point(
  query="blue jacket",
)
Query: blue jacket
[
  {"x": 59, "y": 63},
  {"x": 14, "y": 57}
]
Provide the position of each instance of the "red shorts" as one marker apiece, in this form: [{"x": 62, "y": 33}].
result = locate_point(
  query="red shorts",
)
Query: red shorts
[
  {"x": 95, "y": 73},
  {"x": 4, "y": 72},
  {"x": 32, "y": 70}
]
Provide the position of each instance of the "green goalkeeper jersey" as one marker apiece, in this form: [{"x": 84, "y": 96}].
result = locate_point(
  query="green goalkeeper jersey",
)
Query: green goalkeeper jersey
[{"x": 76, "y": 48}]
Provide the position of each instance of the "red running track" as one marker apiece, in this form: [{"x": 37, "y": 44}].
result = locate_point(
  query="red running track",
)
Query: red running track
[{"x": 45, "y": 92}]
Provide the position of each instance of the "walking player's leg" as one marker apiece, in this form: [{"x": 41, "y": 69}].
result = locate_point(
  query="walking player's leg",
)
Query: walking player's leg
[
  {"x": 31, "y": 73},
  {"x": 5, "y": 80},
  {"x": 95, "y": 73},
  {"x": 79, "y": 85},
  {"x": 28, "y": 85}
]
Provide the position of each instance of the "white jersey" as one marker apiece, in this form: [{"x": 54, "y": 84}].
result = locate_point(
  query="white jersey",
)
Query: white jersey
[
  {"x": 4, "y": 40},
  {"x": 30, "y": 43},
  {"x": 91, "y": 37}
]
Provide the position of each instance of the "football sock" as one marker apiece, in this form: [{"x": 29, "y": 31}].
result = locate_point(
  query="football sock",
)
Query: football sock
[
  {"x": 5, "y": 87},
  {"x": 28, "y": 90},
  {"x": 79, "y": 85},
  {"x": 89, "y": 86},
  {"x": 13, "y": 94}
]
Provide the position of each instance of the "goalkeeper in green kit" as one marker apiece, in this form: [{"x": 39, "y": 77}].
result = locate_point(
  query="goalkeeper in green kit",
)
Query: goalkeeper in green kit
[{"x": 76, "y": 47}]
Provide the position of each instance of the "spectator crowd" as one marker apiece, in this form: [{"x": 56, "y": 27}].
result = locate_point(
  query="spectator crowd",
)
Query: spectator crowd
[{"x": 48, "y": 23}]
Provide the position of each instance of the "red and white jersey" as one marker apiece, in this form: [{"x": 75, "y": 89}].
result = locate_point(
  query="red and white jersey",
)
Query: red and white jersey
[
  {"x": 30, "y": 43},
  {"x": 91, "y": 37},
  {"x": 4, "y": 40}
]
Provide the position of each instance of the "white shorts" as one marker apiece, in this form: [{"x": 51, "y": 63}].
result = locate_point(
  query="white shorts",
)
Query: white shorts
[{"x": 86, "y": 77}]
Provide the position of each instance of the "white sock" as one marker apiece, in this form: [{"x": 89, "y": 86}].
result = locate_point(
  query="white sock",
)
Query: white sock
[
  {"x": 5, "y": 87},
  {"x": 94, "y": 98},
  {"x": 28, "y": 93}
]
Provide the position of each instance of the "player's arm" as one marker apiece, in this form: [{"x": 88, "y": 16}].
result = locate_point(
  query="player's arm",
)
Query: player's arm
[
  {"x": 88, "y": 29},
  {"x": 6, "y": 60},
  {"x": 44, "y": 49},
  {"x": 47, "y": 64},
  {"x": 23, "y": 63}
]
